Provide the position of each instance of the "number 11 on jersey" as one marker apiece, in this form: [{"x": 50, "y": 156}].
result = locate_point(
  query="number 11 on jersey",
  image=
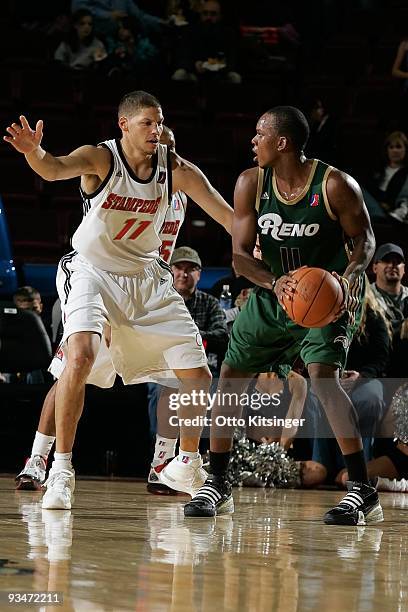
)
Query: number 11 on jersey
[{"x": 129, "y": 223}]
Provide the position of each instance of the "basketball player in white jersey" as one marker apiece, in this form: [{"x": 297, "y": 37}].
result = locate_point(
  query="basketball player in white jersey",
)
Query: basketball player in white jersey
[
  {"x": 103, "y": 374},
  {"x": 115, "y": 275}
]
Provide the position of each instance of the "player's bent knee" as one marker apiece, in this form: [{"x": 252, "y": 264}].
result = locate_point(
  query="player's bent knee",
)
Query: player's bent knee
[{"x": 80, "y": 364}]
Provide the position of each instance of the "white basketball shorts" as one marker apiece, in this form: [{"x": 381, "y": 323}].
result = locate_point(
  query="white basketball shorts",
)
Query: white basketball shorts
[{"x": 152, "y": 330}]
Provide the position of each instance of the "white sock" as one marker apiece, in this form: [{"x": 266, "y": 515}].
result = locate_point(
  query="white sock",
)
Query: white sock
[
  {"x": 42, "y": 445},
  {"x": 62, "y": 461},
  {"x": 187, "y": 457},
  {"x": 164, "y": 449}
]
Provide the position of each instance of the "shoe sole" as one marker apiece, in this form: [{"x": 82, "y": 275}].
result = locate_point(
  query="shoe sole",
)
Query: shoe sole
[
  {"x": 173, "y": 484},
  {"x": 28, "y": 484},
  {"x": 55, "y": 506},
  {"x": 375, "y": 515},
  {"x": 227, "y": 507},
  {"x": 159, "y": 489}
]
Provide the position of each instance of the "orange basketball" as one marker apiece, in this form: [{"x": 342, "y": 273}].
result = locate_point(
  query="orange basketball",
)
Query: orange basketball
[{"x": 317, "y": 298}]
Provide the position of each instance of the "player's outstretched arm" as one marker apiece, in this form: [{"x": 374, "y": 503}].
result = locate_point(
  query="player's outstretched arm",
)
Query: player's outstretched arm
[
  {"x": 244, "y": 231},
  {"x": 188, "y": 178},
  {"x": 347, "y": 204},
  {"x": 84, "y": 160}
]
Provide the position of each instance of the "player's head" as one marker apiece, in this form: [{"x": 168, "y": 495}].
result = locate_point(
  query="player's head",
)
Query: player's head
[
  {"x": 140, "y": 119},
  {"x": 281, "y": 130},
  {"x": 167, "y": 138},
  {"x": 28, "y": 298}
]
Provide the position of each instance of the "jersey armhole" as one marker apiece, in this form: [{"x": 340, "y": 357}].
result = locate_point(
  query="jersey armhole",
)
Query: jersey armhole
[
  {"x": 169, "y": 176},
  {"x": 259, "y": 188},
  {"x": 105, "y": 180},
  {"x": 184, "y": 200},
  {"x": 325, "y": 196}
]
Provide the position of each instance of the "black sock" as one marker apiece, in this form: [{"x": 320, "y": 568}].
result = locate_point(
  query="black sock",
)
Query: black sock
[
  {"x": 356, "y": 467},
  {"x": 219, "y": 463}
]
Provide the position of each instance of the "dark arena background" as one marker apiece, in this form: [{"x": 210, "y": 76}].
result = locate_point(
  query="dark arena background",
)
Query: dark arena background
[{"x": 216, "y": 67}]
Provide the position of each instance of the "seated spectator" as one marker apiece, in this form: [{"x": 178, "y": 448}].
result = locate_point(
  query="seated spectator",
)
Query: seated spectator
[
  {"x": 82, "y": 50},
  {"x": 385, "y": 187},
  {"x": 390, "y": 463},
  {"x": 367, "y": 361},
  {"x": 392, "y": 295},
  {"x": 205, "y": 310},
  {"x": 28, "y": 298},
  {"x": 21, "y": 335},
  {"x": 207, "y": 314},
  {"x": 207, "y": 51},
  {"x": 131, "y": 53},
  {"x": 108, "y": 15},
  {"x": 323, "y": 133},
  {"x": 183, "y": 12}
]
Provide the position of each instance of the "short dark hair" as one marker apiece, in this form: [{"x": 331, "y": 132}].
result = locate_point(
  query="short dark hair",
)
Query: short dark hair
[
  {"x": 27, "y": 293},
  {"x": 133, "y": 101},
  {"x": 291, "y": 122}
]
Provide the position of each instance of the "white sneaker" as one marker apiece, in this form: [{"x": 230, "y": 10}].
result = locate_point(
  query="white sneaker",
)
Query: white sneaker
[
  {"x": 397, "y": 485},
  {"x": 32, "y": 477},
  {"x": 186, "y": 477},
  {"x": 60, "y": 487}
]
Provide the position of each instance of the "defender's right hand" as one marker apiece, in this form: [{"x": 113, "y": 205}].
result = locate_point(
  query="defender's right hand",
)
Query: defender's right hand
[{"x": 22, "y": 137}]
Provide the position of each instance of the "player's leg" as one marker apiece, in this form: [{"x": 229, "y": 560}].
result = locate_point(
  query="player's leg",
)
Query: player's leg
[
  {"x": 185, "y": 473},
  {"x": 259, "y": 339},
  {"x": 324, "y": 351},
  {"x": 166, "y": 436},
  {"x": 32, "y": 477},
  {"x": 82, "y": 349},
  {"x": 215, "y": 496}
]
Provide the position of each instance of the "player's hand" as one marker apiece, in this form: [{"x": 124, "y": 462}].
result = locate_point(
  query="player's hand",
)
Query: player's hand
[
  {"x": 285, "y": 288},
  {"x": 22, "y": 137},
  {"x": 350, "y": 303}
]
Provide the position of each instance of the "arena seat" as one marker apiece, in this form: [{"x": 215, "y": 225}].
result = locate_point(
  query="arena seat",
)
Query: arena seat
[{"x": 22, "y": 328}]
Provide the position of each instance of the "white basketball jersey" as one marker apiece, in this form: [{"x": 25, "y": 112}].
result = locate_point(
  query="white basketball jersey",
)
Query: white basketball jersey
[
  {"x": 174, "y": 218},
  {"x": 123, "y": 217}
]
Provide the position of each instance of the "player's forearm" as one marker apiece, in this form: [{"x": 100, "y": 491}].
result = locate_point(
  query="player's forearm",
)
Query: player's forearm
[
  {"x": 364, "y": 246},
  {"x": 254, "y": 270},
  {"x": 216, "y": 207},
  {"x": 43, "y": 163}
]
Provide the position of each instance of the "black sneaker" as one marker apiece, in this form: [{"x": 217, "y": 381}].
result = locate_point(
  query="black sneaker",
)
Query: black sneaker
[
  {"x": 359, "y": 507},
  {"x": 213, "y": 498}
]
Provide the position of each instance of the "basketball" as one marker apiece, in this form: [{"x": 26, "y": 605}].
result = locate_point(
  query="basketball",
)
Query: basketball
[{"x": 317, "y": 298}]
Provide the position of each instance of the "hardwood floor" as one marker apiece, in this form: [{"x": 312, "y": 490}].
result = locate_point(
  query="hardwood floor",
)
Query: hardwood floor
[{"x": 123, "y": 549}]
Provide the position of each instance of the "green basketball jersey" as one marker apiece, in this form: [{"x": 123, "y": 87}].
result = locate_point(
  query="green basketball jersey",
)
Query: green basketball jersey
[{"x": 303, "y": 231}]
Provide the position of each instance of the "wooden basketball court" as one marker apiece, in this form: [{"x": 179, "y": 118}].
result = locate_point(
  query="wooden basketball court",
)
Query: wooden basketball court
[{"x": 123, "y": 549}]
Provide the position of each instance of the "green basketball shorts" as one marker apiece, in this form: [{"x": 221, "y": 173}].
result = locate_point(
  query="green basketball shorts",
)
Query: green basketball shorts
[{"x": 263, "y": 338}]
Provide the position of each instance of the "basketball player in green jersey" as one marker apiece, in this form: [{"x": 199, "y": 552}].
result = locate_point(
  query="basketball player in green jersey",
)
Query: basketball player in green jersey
[{"x": 306, "y": 213}]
